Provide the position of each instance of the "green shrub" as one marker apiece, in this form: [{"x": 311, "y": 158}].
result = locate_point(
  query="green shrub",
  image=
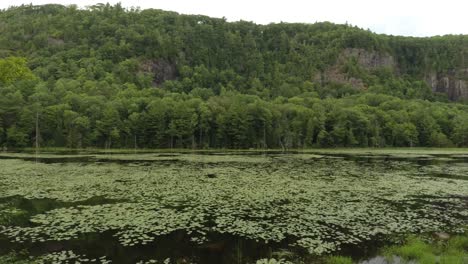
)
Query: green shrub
[
  {"x": 339, "y": 260},
  {"x": 414, "y": 249}
]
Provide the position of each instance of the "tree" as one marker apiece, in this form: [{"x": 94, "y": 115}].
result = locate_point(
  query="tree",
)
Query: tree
[
  {"x": 460, "y": 132},
  {"x": 405, "y": 135},
  {"x": 13, "y": 69},
  {"x": 219, "y": 84},
  {"x": 16, "y": 137},
  {"x": 107, "y": 127}
]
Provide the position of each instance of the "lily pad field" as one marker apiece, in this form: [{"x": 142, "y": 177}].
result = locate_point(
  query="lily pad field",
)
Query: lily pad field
[{"x": 311, "y": 206}]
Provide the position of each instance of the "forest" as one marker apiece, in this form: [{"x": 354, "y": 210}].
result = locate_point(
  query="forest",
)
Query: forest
[{"x": 112, "y": 77}]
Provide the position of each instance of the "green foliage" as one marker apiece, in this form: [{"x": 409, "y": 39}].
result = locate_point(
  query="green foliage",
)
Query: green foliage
[
  {"x": 15, "y": 259},
  {"x": 339, "y": 260},
  {"x": 460, "y": 130},
  {"x": 455, "y": 250},
  {"x": 13, "y": 69},
  {"x": 415, "y": 249},
  {"x": 106, "y": 76}
]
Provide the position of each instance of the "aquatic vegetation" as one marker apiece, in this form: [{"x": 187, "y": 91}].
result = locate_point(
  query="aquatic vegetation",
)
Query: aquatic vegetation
[
  {"x": 13, "y": 258},
  {"x": 69, "y": 257},
  {"x": 272, "y": 261},
  {"x": 9, "y": 214},
  {"x": 316, "y": 202},
  {"x": 154, "y": 261}
]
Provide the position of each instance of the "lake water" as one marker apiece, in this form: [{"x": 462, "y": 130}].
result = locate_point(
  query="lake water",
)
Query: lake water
[{"x": 225, "y": 207}]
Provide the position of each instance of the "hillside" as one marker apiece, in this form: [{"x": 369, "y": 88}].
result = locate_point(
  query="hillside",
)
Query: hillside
[{"x": 106, "y": 76}]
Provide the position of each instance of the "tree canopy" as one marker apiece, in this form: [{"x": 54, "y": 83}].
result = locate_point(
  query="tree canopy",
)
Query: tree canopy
[{"x": 106, "y": 76}]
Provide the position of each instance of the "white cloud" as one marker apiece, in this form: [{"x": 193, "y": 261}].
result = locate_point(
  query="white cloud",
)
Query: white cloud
[{"x": 397, "y": 17}]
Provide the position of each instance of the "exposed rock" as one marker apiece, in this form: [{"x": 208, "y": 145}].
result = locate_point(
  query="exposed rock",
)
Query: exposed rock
[
  {"x": 335, "y": 75},
  {"x": 441, "y": 235},
  {"x": 453, "y": 83},
  {"x": 162, "y": 70},
  {"x": 55, "y": 41},
  {"x": 369, "y": 59}
]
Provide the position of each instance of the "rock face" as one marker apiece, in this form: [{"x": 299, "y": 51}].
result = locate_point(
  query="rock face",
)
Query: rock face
[
  {"x": 161, "y": 70},
  {"x": 335, "y": 75},
  {"x": 368, "y": 60},
  {"x": 453, "y": 83},
  {"x": 441, "y": 235}
]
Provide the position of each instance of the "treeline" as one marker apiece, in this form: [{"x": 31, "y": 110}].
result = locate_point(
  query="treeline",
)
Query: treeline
[
  {"x": 110, "y": 77},
  {"x": 74, "y": 114}
]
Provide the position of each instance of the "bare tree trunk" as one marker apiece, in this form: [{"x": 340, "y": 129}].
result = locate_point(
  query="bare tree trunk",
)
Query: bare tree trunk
[
  {"x": 37, "y": 135},
  {"x": 282, "y": 145},
  {"x": 200, "y": 139},
  {"x": 37, "y": 131},
  {"x": 135, "y": 142},
  {"x": 80, "y": 140}
]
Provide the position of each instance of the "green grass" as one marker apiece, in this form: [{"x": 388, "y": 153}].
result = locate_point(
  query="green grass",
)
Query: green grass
[
  {"x": 427, "y": 251},
  {"x": 414, "y": 249},
  {"x": 459, "y": 243},
  {"x": 338, "y": 260}
]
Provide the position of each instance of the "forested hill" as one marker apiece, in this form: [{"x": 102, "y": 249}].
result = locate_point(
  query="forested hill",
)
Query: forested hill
[{"x": 106, "y": 76}]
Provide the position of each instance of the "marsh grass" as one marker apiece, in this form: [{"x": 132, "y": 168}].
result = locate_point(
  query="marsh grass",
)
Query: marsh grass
[
  {"x": 426, "y": 250},
  {"x": 339, "y": 260}
]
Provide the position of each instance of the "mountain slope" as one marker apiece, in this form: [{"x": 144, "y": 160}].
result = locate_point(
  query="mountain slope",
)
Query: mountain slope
[
  {"x": 169, "y": 46},
  {"x": 107, "y": 76}
]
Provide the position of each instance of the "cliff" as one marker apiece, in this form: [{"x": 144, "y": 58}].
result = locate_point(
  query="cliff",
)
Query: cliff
[{"x": 453, "y": 83}]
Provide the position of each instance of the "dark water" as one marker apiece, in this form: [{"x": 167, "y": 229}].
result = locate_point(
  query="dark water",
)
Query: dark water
[
  {"x": 176, "y": 246},
  {"x": 220, "y": 248},
  {"x": 85, "y": 157}
]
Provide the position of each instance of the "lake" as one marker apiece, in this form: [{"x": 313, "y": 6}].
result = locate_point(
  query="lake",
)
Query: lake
[{"x": 226, "y": 207}]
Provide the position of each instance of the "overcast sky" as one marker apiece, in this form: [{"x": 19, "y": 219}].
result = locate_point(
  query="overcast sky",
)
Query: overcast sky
[{"x": 396, "y": 17}]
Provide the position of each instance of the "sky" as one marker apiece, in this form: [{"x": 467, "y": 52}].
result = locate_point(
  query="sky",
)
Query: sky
[{"x": 395, "y": 17}]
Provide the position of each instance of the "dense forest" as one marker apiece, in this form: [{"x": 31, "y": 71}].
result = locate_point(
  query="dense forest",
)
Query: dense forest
[{"x": 106, "y": 76}]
